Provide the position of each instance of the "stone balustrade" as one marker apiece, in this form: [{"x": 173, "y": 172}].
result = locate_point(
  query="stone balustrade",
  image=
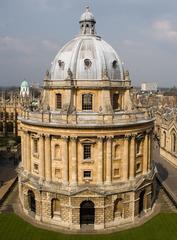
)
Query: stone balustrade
[{"x": 85, "y": 118}]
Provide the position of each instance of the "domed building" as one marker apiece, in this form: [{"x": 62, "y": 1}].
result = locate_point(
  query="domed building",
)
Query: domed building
[
  {"x": 24, "y": 89},
  {"x": 86, "y": 153}
]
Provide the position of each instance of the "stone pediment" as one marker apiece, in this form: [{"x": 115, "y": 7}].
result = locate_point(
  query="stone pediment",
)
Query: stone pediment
[
  {"x": 172, "y": 125},
  {"x": 88, "y": 192},
  {"x": 142, "y": 183}
]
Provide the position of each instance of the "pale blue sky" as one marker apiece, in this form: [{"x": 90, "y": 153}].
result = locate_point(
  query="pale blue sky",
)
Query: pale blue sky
[{"x": 143, "y": 32}]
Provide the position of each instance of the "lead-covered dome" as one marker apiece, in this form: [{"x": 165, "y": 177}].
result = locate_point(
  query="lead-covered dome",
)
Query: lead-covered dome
[
  {"x": 87, "y": 57},
  {"x": 87, "y": 16}
]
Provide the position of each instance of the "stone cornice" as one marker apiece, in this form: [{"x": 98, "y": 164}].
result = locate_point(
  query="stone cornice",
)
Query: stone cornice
[{"x": 86, "y": 126}]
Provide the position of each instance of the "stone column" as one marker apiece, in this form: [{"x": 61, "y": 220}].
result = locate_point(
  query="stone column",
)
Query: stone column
[
  {"x": 28, "y": 151},
  {"x": 41, "y": 157},
  {"x": 48, "y": 169},
  {"x": 109, "y": 161},
  {"x": 73, "y": 160},
  {"x": 126, "y": 158},
  {"x": 100, "y": 160},
  {"x": 132, "y": 156},
  {"x": 65, "y": 159},
  {"x": 145, "y": 154}
]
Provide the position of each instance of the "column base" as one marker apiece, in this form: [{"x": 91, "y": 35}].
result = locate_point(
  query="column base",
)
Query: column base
[
  {"x": 73, "y": 184},
  {"x": 108, "y": 183},
  {"x": 65, "y": 183}
]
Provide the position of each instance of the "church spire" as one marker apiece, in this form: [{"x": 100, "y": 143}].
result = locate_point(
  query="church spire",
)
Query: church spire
[{"x": 87, "y": 22}]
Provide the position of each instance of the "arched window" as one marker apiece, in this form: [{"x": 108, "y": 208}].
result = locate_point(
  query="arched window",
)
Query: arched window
[
  {"x": 173, "y": 142},
  {"x": 1, "y": 127},
  {"x": 164, "y": 139},
  {"x": 7, "y": 115},
  {"x": 55, "y": 207},
  {"x": 31, "y": 201},
  {"x": 141, "y": 206},
  {"x": 9, "y": 127},
  {"x": 11, "y": 116},
  {"x": 115, "y": 101},
  {"x": 87, "y": 212},
  {"x": 118, "y": 207},
  {"x": 58, "y": 101},
  {"x": 87, "y": 102},
  {"x": 57, "y": 154}
]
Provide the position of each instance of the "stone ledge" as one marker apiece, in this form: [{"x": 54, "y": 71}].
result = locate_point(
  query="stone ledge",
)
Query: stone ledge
[{"x": 6, "y": 188}]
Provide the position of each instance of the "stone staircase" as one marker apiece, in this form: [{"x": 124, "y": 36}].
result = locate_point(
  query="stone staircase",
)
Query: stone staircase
[{"x": 166, "y": 204}]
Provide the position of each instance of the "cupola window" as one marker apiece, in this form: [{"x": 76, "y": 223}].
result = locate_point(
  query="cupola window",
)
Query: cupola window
[
  {"x": 61, "y": 64},
  {"x": 114, "y": 64},
  {"x": 87, "y": 102},
  {"x": 87, "y": 63}
]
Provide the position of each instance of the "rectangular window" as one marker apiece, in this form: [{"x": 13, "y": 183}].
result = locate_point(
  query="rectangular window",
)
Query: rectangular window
[
  {"x": 138, "y": 146},
  {"x": 58, "y": 101},
  {"x": 35, "y": 145},
  {"x": 36, "y": 167},
  {"x": 138, "y": 167},
  {"x": 87, "y": 151},
  {"x": 115, "y": 101},
  {"x": 116, "y": 172},
  {"x": 57, "y": 173},
  {"x": 87, "y": 102},
  {"x": 87, "y": 174}
]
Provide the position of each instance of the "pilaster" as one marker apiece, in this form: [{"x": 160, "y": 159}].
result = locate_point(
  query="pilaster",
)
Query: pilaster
[
  {"x": 132, "y": 156},
  {"x": 65, "y": 159},
  {"x": 48, "y": 169},
  {"x": 41, "y": 156},
  {"x": 126, "y": 157},
  {"x": 109, "y": 160},
  {"x": 145, "y": 154},
  {"x": 100, "y": 160},
  {"x": 74, "y": 160}
]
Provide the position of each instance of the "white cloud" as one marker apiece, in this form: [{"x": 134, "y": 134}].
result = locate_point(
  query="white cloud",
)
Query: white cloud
[
  {"x": 163, "y": 29},
  {"x": 49, "y": 45},
  {"x": 26, "y": 46},
  {"x": 14, "y": 44}
]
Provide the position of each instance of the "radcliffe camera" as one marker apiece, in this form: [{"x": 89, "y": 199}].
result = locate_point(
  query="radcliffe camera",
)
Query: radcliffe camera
[{"x": 91, "y": 149}]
